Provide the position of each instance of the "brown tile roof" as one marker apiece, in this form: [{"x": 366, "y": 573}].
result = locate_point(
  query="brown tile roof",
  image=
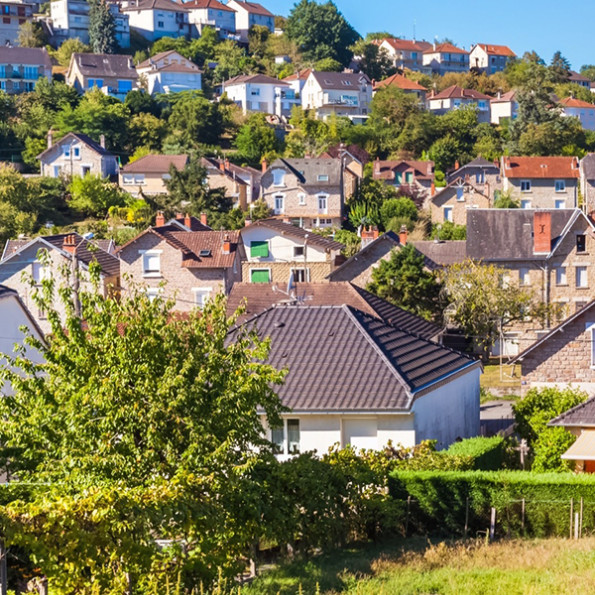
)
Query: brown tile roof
[
  {"x": 105, "y": 65},
  {"x": 341, "y": 359},
  {"x": 255, "y": 8},
  {"x": 497, "y": 50},
  {"x": 337, "y": 80},
  {"x": 407, "y": 44},
  {"x": 282, "y": 228},
  {"x": 184, "y": 65},
  {"x": 301, "y": 75},
  {"x": 28, "y": 56},
  {"x": 255, "y": 79},
  {"x": 445, "y": 48},
  {"x": 213, "y": 4},
  {"x": 385, "y": 170},
  {"x": 87, "y": 140},
  {"x": 456, "y": 92},
  {"x": 572, "y": 102},
  {"x": 401, "y": 82},
  {"x": 540, "y": 167},
  {"x": 155, "y": 164},
  {"x": 575, "y": 77},
  {"x": 504, "y": 97}
]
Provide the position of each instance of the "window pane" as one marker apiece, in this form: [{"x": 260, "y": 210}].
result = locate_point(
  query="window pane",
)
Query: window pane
[
  {"x": 293, "y": 436},
  {"x": 151, "y": 263},
  {"x": 277, "y": 440}
]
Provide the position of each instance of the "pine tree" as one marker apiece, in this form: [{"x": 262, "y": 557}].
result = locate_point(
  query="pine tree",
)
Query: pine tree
[{"x": 102, "y": 28}]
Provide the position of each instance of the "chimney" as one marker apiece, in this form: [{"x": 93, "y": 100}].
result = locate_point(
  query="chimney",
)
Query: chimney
[
  {"x": 499, "y": 95},
  {"x": 286, "y": 220},
  {"x": 160, "y": 219},
  {"x": 188, "y": 221},
  {"x": 179, "y": 216},
  {"x": 377, "y": 166},
  {"x": 102, "y": 141},
  {"x": 226, "y": 163},
  {"x": 457, "y": 164},
  {"x": 50, "y": 138},
  {"x": 69, "y": 243},
  {"x": 247, "y": 221},
  {"x": 226, "y": 248},
  {"x": 264, "y": 165},
  {"x": 432, "y": 188},
  {"x": 542, "y": 232},
  {"x": 486, "y": 189},
  {"x": 369, "y": 234},
  {"x": 403, "y": 235},
  {"x": 222, "y": 165},
  {"x": 203, "y": 218}
]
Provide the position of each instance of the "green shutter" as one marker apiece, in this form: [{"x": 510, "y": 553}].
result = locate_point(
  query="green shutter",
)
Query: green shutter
[
  {"x": 259, "y": 276},
  {"x": 409, "y": 177},
  {"x": 259, "y": 249}
]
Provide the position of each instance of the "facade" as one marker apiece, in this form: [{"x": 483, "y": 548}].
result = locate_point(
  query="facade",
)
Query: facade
[
  {"x": 582, "y": 110},
  {"x": 482, "y": 174},
  {"x": 21, "y": 68},
  {"x": 405, "y": 53},
  {"x": 309, "y": 192},
  {"x": 148, "y": 174},
  {"x": 413, "y": 178},
  {"x": 189, "y": 267},
  {"x": 21, "y": 258},
  {"x": 169, "y": 72},
  {"x": 249, "y": 14},
  {"x": 541, "y": 182},
  {"x": 578, "y": 79},
  {"x": 261, "y": 93},
  {"x": 240, "y": 183},
  {"x": 354, "y": 380},
  {"x": 342, "y": 93},
  {"x": 455, "y": 98},
  {"x": 504, "y": 107},
  {"x": 113, "y": 74},
  {"x": 77, "y": 154},
  {"x": 154, "y": 19},
  {"x": 587, "y": 181},
  {"x": 445, "y": 57},
  {"x": 281, "y": 253},
  {"x": 211, "y": 13},
  {"x": 14, "y": 14},
  {"x": 452, "y": 202},
  {"x": 490, "y": 58},
  {"x": 406, "y": 85},
  {"x": 297, "y": 80},
  {"x": 70, "y": 19}
]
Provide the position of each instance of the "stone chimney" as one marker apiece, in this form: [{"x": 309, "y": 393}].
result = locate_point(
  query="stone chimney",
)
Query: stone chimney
[
  {"x": 432, "y": 188},
  {"x": 369, "y": 234},
  {"x": 160, "y": 219},
  {"x": 69, "y": 243},
  {"x": 188, "y": 221},
  {"x": 50, "y": 138},
  {"x": 403, "y": 235},
  {"x": 102, "y": 141},
  {"x": 264, "y": 165},
  {"x": 226, "y": 247},
  {"x": 542, "y": 232},
  {"x": 457, "y": 164},
  {"x": 203, "y": 218},
  {"x": 222, "y": 165}
]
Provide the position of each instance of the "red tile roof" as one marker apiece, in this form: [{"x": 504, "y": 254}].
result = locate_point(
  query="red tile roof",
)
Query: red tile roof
[
  {"x": 400, "y": 81},
  {"x": 208, "y": 4},
  {"x": 497, "y": 50},
  {"x": 455, "y": 92},
  {"x": 155, "y": 164},
  {"x": 301, "y": 75},
  {"x": 445, "y": 48},
  {"x": 572, "y": 102},
  {"x": 504, "y": 97},
  {"x": 408, "y": 44},
  {"x": 255, "y": 8},
  {"x": 540, "y": 167}
]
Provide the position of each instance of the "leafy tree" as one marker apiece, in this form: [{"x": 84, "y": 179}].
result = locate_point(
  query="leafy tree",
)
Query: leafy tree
[
  {"x": 94, "y": 195},
  {"x": 398, "y": 211},
  {"x": 448, "y": 231},
  {"x": 260, "y": 210},
  {"x": 139, "y": 101},
  {"x": 102, "y": 28},
  {"x": 255, "y": 138},
  {"x": 258, "y": 37},
  {"x": 392, "y": 106},
  {"x": 231, "y": 61},
  {"x": 444, "y": 152},
  {"x": 373, "y": 60},
  {"x": 328, "y": 65},
  {"x": 69, "y": 47},
  {"x": 505, "y": 201},
  {"x": 146, "y": 130},
  {"x": 588, "y": 70},
  {"x": 350, "y": 240},
  {"x": 32, "y": 35},
  {"x": 403, "y": 280}
]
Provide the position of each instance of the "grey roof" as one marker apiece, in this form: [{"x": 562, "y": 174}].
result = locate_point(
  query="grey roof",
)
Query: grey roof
[
  {"x": 84, "y": 139},
  {"x": 477, "y": 162},
  {"x": 340, "y": 80},
  {"x": 507, "y": 234},
  {"x": 582, "y": 415},
  {"x": 254, "y": 79},
  {"x": 442, "y": 253},
  {"x": 588, "y": 166},
  {"x": 340, "y": 359},
  {"x": 307, "y": 170},
  {"x": 18, "y": 55},
  {"x": 105, "y": 65},
  {"x": 155, "y": 5}
]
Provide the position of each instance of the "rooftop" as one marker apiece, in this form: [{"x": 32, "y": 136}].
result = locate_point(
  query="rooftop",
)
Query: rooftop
[
  {"x": 340, "y": 80},
  {"x": 540, "y": 167},
  {"x": 155, "y": 164},
  {"x": 497, "y": 50},
  {"x": 401, "y": 82},
  {"x": 455, "y": 92},
  {"x": 104, "y": 65}
]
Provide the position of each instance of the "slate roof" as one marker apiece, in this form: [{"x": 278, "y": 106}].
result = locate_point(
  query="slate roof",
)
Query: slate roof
[
  {"x": 19, "y": 55},
  {"x": 497, "y": 50},
  {"x": 259, "y": 79},
  {"x": 588, "y": 166},
  {"x": 456, "y": 92},
  {"x": 307, "y": 170},
  {"x": 105, "y": 65},
  {"x": 540, "y": 167},
  {"x": 341, "y": 359},
  {"x": 87, "y": 140},
  {"x": 582, "y": 415},
  {"x": 338, "y": 80},
  {"x": 401, "y": 82},
  {"x": 156, "y": 5},
  {"x": 261, "y": 296},
  {"x": 155, "y": 164},
  {"x": 477, "y": 162},
  {"x": 442, "y": 253},
  {"x": 299, "y": 233}
]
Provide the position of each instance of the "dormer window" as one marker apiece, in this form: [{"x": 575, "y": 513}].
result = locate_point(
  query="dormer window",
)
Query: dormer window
[
  {"x": 323, "y": 177},
  {"x": 278, "y": 177}
]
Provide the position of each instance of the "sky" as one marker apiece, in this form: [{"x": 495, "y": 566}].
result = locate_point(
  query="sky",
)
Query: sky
[{"x": 524, "y": 25}]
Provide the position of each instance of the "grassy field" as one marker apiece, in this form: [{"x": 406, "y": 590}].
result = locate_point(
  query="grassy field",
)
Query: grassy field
[
  {"x": 416, "y": 566},
  {"x": 511, "y": 381}
]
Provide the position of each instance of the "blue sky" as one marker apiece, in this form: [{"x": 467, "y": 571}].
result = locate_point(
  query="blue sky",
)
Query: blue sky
[{"x": 544, "y": 26}]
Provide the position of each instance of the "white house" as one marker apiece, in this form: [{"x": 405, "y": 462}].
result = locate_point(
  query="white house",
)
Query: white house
[
  {"x": 504, "y": 106},
  {"x": 14, "y": 14},
  {"x": 260, "y": 93},
  {"x": 455, "y": 97},
  {"x": 576, "y": 108},
  {"x": 490, "y": 58},
  {"x": 154, "y": 19},
  {"x": 405, "y": 53},
  {"x": 445, "y": 57},
  {"x": 169, "y": 72},
  {"x": 355, "y": 380},
  {"x": 249, "y": 14},
  {"x": 211, "y": 13}
]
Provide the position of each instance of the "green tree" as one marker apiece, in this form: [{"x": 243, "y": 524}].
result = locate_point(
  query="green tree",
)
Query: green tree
[
  {"x": 260, "y": 210},
  {"x": 373, "y": 60},
  {"x": 505, "y": 201},
  {"x": 146, "y": 130},
  {"x": 328, "y": 65},
  {"x": 559, "y": 68},
  {"x": 396, "y": 212},
  {"x": 258, "y": 37},
  {"x": 69, "y": 47},
  {"x": 255, "y": 138},
  {"x": 448, "y": 231},
  {"x": 444, "y": 152},
  {"x": 94, "y": 195},
  {"x": 102, "y": 28},
  {"x": 32, "y": 35},
  {"x": 231, "y": 61},
  {"x": 588, "y": 70},
  {"x": 403, "y": 280}
]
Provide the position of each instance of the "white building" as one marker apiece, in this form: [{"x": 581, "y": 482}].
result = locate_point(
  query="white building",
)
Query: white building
[
  {"x": 169, "y": 72},
  {"x": 455, "y": 97},
  {"x": 576, "y": 108},
  {"x": 490, "y": 58},
  {"x": 405, "y": 53},
  {"x": 445, "y": 57},
  {"x": 14, "y": 14},
  {"x": 154, "y": 19},
  {"x": 504, "y": 106},
  {"x": 211, "y": 13},
  {"x": 249, "y": 14},
  {"x": 260, "y": 93}
]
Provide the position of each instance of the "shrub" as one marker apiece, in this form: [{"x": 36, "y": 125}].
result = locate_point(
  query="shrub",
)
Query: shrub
[{"x": 486, "y": 454}]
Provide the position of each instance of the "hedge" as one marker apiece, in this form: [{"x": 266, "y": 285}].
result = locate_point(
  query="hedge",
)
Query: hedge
[
  {"x": 445, "y": 501},
  {"x": 486, "y": 454}
]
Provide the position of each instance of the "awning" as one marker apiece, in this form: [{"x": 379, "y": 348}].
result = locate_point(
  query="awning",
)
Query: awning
[{"x": 583, "y": 449}]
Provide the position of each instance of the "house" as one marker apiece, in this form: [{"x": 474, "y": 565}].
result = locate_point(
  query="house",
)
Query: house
[
  {"x": 256, "y": 298},
  {"x": 249, "y": 14},
  {"x": 490, "y": 58},
  {"x": 186, "y": 266},
  {"x": 455, "y": 97},
  {"x": 412, "y": 178},
  {"x": 504, "y": 107},
  {"x": 578, "y": 79},
  {"x": 353, "y": 158},
  {"x": 439, "y": 254},
  {"x": 77, "y": 154},
  {"x": 541, "y": 182},
  {"x": 70, "y": 19},
  {"x": 211, "y": 13},
  {"x": 113, "y": 74},
  {"x": 355, "y": 380},
  {"x": 307, "y": 191},
  {"x": 219, "y": 175},
  {"x": 445, "y": 57},
  {"x": 21, "y": 258},
  {"x": 402, "y": 82},
  {"x": 21, "y": 68},
  {"x": 587, "y": 181},
  {"x": 577, "y": 108},
  {"x": 148, "y": 174},
  {"x": 451, "y": 202},
  {"x": 545, "y": 251},
  {"x": 182, "y": 222},
  {"x": 297, "y": 80},
  {"x": 169, "y": 72},
  {"x": 260, "y": 93},
  {"x": 278, "y": 252},
  {"x": 482, "y": 174},
  {"x": 14, "y": 14},
  {"x": 405, "y": 53},
  {"x": 346, "y": 94},
  {"x": 154, "y": 19}
]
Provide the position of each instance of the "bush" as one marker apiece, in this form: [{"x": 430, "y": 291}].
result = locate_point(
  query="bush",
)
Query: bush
[{"x": 486, "y": 454}]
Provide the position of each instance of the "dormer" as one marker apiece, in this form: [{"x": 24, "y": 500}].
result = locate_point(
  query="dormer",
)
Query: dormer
[{"x": 278, "y": 177}]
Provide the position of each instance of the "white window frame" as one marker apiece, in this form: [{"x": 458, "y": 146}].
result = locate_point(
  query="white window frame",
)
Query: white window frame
[
  {"x": 279, "y": 177},
  {"x": 40, "y": 272},
  {"x": 460, "y": 198},
  {"x": 322, "y": 200},
  {"x": 525, "y": 185},
  {"x": 284, "y": 448},
  {"x": 296, "y": 249},
  {"x": 279, "y": 197},
  {"x": 147, "y": 254},
  {"x": 205, "y": 292},
  {"x": 560, "y": 203},
  {"x": 302, "y": 199},
  {"x": 525, "y": 204},
  {"x": 581, "y": 276},
  {"x": 154, "y": 292},
  {"x": 447, "y": 213},
  {"x": 561, "y": 276},
  {"x": 560, "y": 185},
  {"x": 524, "y": 276},
  {"x": 127, "y": 179}
]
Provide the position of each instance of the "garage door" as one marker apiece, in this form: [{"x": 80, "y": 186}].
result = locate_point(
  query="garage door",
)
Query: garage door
[{"x": 360, "y": 433}]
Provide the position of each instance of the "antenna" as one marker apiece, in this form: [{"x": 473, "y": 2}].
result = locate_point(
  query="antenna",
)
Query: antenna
[{"x": 414, "y": 23}]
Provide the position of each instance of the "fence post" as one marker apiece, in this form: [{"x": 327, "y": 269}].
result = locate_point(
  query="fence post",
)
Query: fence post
[
  {"x": 523, "y": 515},
  {"x": 493, "y": 524},
  {"x": 576, "y": 525},
  {"x": 571, "y": 513},
  {"x": 407, "y": 519},
  {"x": 580, "y": 525},
  {"x": 466, "y": 516}
]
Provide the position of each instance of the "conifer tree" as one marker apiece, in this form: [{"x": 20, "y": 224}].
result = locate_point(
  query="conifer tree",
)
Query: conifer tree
[{"x": 102, "y": 28}]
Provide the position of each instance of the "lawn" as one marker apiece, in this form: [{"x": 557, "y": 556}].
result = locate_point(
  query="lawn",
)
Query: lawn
[
  {"x": 416, "y": 566},
  {"x": 508, "y": 379}
]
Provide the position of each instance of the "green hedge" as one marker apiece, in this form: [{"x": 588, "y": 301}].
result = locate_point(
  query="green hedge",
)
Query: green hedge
[
  {"x": 440, "y": 501},
  {"x": 487, "y": 454}
]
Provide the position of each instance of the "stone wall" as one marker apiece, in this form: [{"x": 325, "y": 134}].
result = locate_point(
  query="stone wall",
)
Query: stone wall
[{"x": 280, "y": 271}]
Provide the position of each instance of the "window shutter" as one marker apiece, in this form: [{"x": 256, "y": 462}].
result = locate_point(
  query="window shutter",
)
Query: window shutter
[
  {"x": 259, "y": 249},
  {"x": 259, "y": 276}
]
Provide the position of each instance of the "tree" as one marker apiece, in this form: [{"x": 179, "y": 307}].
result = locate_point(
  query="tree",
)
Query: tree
[
  {"x": 444, "y": 152},
  {"x": 260, "y": 210},
  {"x": 258, "y": 37},
  {"x": 505, "y": 201},
  {"x": 102, "y": 28},
  {"x": 94, "y": 195},
  {"x": 146, "y": 130},
  {"x": 328, "y": 65},
  {"x": 255, "y": 138},
  {"x": 559, "y": 68},
  {"x": 373, "y": 60},
  {"x": 32, "y": 35},
  {"x": 396, "y": 212},
  {"x": 69, "y": 47},
  {"x": 448, "y": 231},
  {"x": 231, "y": 61},
  {"x": 588, "y": 70},
  {"x": 403, "y": 280}
]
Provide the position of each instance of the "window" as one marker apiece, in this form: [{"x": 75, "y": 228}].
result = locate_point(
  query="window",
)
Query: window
[
  {"x": 525, "y": 185},
  {"x": 322, "y": 222},
  {"x": 409, "y": 177},
  {"x": 279, "y": 205},
  {"x": 302, "y": 198},
  {"x": 40, "y": 272},
  {"x": 560, "y": 204},
  {"x": 322, "y": 204},
  {"x": 286, "y": 438},
  {"x": 127, "y": 179},
  {"x": 153, "y": 293},
  {"x": 255, "y": 91},
  {"x": 560, "y": 185},
  {"x": 300, "y": 275},
  {"x": 525, "y": 204},
  {"x": 561, "y": 276},
  {"x": 66, "y": 151},
  {"x": 581, "y": 277},
  {"x": 259, "y": 249},
  {"x": 479, "y": 177},
  {"x": 460, "y": 196},
  {"x": 322, "y": 177},
  {"x": 581, "y": 242},
  {"x": 94, "y": 83},
  {"x": 298, "y": 251},
  {"x": 579, "y": 306},
  {"x": 201, "y": 295},
  {"x": 151, "y": 263},
  {"x": 448, "y": 214},
  {"x": 524, "y": 278},
  {"x": 31, "y": 72},
  {"x": 278, "y": 440},
  {"x": 260, "y": 276},
  {"x": 160, "y": 25},
  {"x": 278, "y": 177},
  {"x": 76, "y": 152},
  {"x": 124, "y": 86}
]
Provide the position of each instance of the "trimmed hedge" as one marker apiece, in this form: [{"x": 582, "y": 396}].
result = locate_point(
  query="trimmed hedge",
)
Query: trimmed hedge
[
  {"x": 486, "y": 454},
  {"x": 441, "y": 501}
]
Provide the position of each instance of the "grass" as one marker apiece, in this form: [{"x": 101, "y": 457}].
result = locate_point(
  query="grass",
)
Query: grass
[
  {"x": 416, "y": 566},
  {"x": 490, "y": 379}
]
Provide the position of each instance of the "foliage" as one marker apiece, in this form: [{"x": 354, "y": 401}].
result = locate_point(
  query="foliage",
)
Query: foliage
[
  {"x": 146, "y": 130},
  {"x": 402, "y": 208},
  {"x": 93, "y": 195},
  {"x": 403, "y": 280},
  {"x": 31, "y": 35},
  {"x": 231, "y": 61},
  {"x": 373, "y": 60},
  {"x": 102, "y": 28},
  {"x": 505, "y": 201},
  {"x": 69, "y": 47},
  {"x": 350, "y": 240},
  {"x": 448, "y": 231},
  {"x": 255, "y": 138},
  {"x": 260, "y": 210},
  {"x": 328, "y": 65},
  {"x": 488, "y": 454}
]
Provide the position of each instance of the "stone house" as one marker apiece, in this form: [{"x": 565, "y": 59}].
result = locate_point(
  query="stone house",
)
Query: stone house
[
  {"x": 482, "y": 174},
  {"x": 240, "y": 183},
  {"x": 14, "y": 14},
  {"x": 405, "y": 53},
  {"x": 186, "y": 266},
  {"x": 249, "y": 14},
  {"x": 490, "y": 58},
  {"x": 309, "y": 192},
  {"x": 445, "y": 57},
  {"x": 587, "y": 181},
  {"x": 412, "y": 178},
  {"x": 278, "y": 252},
  {"x": 541, "y": 182},
  {"x": 169, "y": 72},
  {"x": 21, "y": 68},
  {"x": 353, "y": 160},
  {"x": 452, "y": 202},
  {"x": 77, "y": 154},
  {"x": 455, "y": 97},
  {"x": 154, "y": 19},
  {"x": 21, "y": 259},
  {"x": 148, "y": 174}
]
